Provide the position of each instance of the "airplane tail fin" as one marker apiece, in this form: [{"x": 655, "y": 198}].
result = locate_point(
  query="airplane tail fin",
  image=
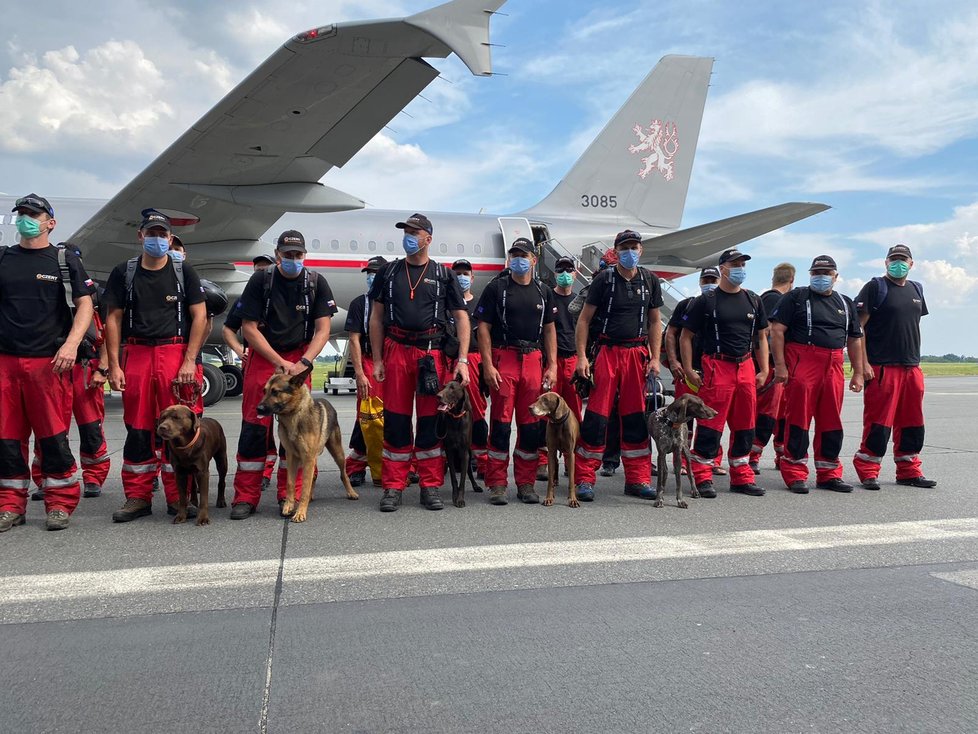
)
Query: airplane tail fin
[{"x": 637, "y": 170}]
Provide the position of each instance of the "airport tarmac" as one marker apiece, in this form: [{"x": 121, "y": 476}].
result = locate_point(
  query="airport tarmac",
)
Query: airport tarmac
[{"x": 818, "y": 613}]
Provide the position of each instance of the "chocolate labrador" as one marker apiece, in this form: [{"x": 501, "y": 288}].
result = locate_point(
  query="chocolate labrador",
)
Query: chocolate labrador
[{"x": 191, "y": 444}]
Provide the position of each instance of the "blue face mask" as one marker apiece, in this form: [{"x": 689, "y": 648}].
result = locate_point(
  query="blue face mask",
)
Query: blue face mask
[
  {"x": 565, "y": 280},
  {"x": 370, "y": 280},
  {"x": 291, "y": 268},
  {"x": 708, "y": 288},
  {"x": 465, "y": 281},
  {"x": 628, "y": 259},
  {"x": 176, "y": 256},
  {"x": 737, "y": 275},
  {"x": 28, "y": 226},
  {"x": 519, "y": 265},
  {"x": 156, "y": 246},
  {"x": 821, "y": 283},
  {"x": 411, "y": 245}
]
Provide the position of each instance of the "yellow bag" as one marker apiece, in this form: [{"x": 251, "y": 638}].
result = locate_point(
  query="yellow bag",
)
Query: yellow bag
[{"x": 372, "y": 426}]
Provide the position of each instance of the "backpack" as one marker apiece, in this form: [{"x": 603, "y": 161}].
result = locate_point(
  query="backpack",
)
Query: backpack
[
  {"x": 647, "y": 285},
  {"x": 308, "y": 293},
  {"x": 711, "y": 301},
  {"x": 882, "y": 289},
  {"x": 506, "y": 280},
  {"x": 132, "y": 264}
]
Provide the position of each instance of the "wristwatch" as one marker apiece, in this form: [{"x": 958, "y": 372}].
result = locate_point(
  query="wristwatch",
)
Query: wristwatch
[
  {"x": 306, "y": 362},
  {"x": 463, "y": 360},
  {"x": 102, "y": 371}
]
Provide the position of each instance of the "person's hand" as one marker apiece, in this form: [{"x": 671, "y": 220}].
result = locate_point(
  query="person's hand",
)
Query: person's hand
[
  {"x": 652, "y": 368},
  {"x": 550, "y": 378},
  {"x": 678, "y": 375},
  {"x": 462, "y": 373},
  {"x": 583, "y": 368},
  {"x": 868, "y": 373},
  {"x": 781, "y": 373},
  {"x": 379, "y": 370},
  {"x": 64, "y": 360},
  {"x": 117, "y": 379},
  {"x": 295, "y": 368},
  {"x": 363, "y": 386},
  {"x": 693, "y": 378},
  {"x": 761, "y": 378},
  {"x": 188, "y": 371},
  {"x": 493, "y": 379},
  {"x": 98, "y": 380},
  {"x": 856, "y": 383}
]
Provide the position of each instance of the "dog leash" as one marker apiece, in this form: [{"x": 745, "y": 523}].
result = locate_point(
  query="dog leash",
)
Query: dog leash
[{"x": 178, "y": 392}]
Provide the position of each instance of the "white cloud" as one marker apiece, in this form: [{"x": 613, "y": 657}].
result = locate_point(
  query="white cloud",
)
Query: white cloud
[
  {"x": 950, "y": 239},
  {"x": 951, "y": 286}
]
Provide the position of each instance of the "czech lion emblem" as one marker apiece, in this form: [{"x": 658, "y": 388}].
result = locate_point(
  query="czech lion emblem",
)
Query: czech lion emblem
[{"x": 660, "y": 142}]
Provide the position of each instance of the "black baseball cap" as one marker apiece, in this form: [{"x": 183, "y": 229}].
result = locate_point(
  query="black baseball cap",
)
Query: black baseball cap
[
  {"x": 710, "y": 273},
  {"x": 34, "y": 203},
  {"x": 374, "y": 264},
  {"x": 153, "y": 218},
  {"x": 629, "y": 235},
  {"x": 291, "y": 240},
  {"x": 899, "y": 251},
  {"x": 824, "y": 262},
  {"x": 417, "y": 221},
  {"x": 565, "y": 261},
  {"x": 264, "y": 257},
  {"x": 175, "y": 240},
  {"x": 734, "y": 254},
  {"x": 461, "y": 264},
  {"x": 523, "y": 245}
]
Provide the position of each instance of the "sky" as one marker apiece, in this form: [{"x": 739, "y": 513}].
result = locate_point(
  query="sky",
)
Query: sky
[{"x": 870, "y": 107}]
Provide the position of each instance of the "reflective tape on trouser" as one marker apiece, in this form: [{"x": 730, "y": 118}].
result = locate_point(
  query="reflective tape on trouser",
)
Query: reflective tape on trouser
[
  {"x": 730, "y": 389},
  {"x": 251, "y": 465},
  {"x": 520, "y": 378},
  {"x": 19, "y": 484},
  {"x": 893, "y": 403},
  {"x": 94, "y": 460},
  {"x": 52, "y": 483}
]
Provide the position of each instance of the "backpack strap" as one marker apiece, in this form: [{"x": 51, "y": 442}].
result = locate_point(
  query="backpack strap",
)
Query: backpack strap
[
  {"x": 882, "y": 290},
  {"x": 132, "y": 265},
  {"x": 65, "y": 276}
]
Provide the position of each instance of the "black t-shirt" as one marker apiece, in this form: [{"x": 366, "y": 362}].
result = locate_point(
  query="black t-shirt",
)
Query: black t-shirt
[
  {"x": 34, "y": 316},
  {"x": 157, "y": 310},
  {"x": 893, "y": 330},
  {"x": 833, "y": 318},
  {"x": 289, "y": 302},
  {"x": 676, "y": 321},
  {"x": 734, "y": 316},
  {"x": 233, "y": 319},
  {"x": 629, "y": 300},
  {"x": 527, "y": 309},
  {"x": 471, "y": 306},
  {"x": 358, "y": 321},
  {"x": 566, "y": 324},
  {"x": 770, "y": 301},
  {"x": 436, "y": 294}
]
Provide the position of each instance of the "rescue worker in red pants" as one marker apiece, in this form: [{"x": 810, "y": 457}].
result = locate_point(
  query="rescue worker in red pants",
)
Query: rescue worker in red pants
[
  {"x": 286, "y": 313},
  {"x": 39, "y": 340},
  {"x": 727, "y": 320},
  {"x": 361, "y": 357},
  {"x": 480, "y": 426},
  {"x": 516, "y": 335},
  {"x": 414, "y": 298},
  {"x": 809, "y": 328},
  {"x": 229, "y": 332},
  {"x": 889, "y": 309},
  {"x": 770, "y": 418},
  {"x": 565, "y": 270},
  {"x": 709, "y": 280},
  {"x": 157, "y": 321},
  {"x": 624, "y": 300}
]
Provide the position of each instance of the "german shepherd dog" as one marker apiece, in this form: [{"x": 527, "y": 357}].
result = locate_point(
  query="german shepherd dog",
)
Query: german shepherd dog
[
  {"x": 305, "y": 428},
  {"x": 670, "y": 432},
  {"x": 192, "y": 443},
  {"x": 454, "y": 426},
  {"x": 562, "y": 433}
]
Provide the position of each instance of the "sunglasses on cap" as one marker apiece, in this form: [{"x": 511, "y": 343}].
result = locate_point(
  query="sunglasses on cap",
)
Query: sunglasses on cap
[
  {"x": 564, "y": 269},
  {"x": 32, "y": 202}
]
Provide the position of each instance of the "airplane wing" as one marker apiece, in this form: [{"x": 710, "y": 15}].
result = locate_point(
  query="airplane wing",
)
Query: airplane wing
[
  {"x": 261, "y": 151},
  {"x": 699, "y": 246}
]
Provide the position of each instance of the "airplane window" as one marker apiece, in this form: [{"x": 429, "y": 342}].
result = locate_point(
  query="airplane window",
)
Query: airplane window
[
  {"x": 334, "y": 244},
  {"x": 444, "y": 248},
  {"x": 372, "y": 246},
  {"x": 477, "y": 249},
  {"x": 354, "y": 245},
  {"x": 390, "y": 247},
  {"x": 460, "y": 248},
  {"x": 316, "y": 244}
]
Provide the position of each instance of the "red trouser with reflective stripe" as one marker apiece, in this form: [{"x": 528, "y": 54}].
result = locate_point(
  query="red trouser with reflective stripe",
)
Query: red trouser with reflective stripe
[
  {"x": 150, "y": 372},
  {"x": 521, "y": 376},
  {"x": 400, "y": 401},
  {"x": 480, "y": 427},
  {"x": 618, "y": 370},
  {"x": 730, "y": 389},
  {"x": 768, "y": 422},
  {"x": 33, "y": 399},
  {"x": 681, "y": 388},
  {"x": 565, "y": 388},
  {"x": 893, "y": 402},
  {"x": 356, "y": 460},
  {"x": 253, "y": 443},
  {"x": 816, "y": 384}
]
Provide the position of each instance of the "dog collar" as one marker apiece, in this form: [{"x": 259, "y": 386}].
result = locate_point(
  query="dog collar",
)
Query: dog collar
[
  {"x": 676, "y": 426},
  {"x": 562, "y": 420},
  {"x": 460, "y": 414},
  {"x": 193, "y": 440}
]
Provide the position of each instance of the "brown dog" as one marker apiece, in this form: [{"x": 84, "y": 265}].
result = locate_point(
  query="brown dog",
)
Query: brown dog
[
  {"x": 453, "y": 426},
  {"x": 305, "y": 428},
  {"x": 669, "y": 429},
  {"x": 191, "y": 444},
  {"x": 562, "y": 432}
]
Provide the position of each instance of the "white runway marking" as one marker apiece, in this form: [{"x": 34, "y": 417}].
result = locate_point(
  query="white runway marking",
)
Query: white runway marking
[{"x": 102, "y": 585}]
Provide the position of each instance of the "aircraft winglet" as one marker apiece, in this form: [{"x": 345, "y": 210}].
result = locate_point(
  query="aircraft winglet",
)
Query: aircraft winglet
[{"x": 463, "y": 26}]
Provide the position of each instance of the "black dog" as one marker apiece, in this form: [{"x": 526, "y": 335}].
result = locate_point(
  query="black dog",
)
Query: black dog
[{"x": 454, "y": 427}]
